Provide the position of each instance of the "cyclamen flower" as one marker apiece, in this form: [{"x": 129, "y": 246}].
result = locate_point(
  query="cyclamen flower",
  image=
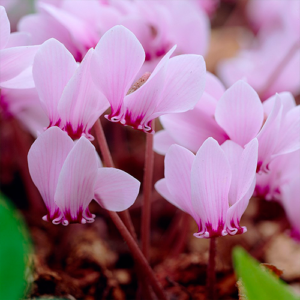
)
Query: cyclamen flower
[
  {"x": 190, "y": 129},
  {"x": 18, "y": 97},
  {"x": 158, "y": 25},
  {"x": 174, "y": 86},
  {"x": 214, "y": 186},
  {"x": 66, "y": 91},
  {"x": 283, "y": 170},
  {"x": 68, "y": 176}
]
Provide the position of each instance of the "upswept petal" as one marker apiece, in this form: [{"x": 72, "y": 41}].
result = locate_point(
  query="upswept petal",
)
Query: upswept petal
[
  {"x": 289, "y": 135},
  {"x": 210, "y": 180},
  {"x": 178, "y": 166},
  {"x": 240, "y": 113},
  {"x": 140, "y": 105},
  {"x": 81, "y": 103},
  {"x": 53, "y": 67},
  {"x": 268, "y": 136},
  {"x": 17, "y": 39},
  {"x": 76, "y": 183},
  {"x": 4, "y": 28},
  {"x": 24, "y": 80},
  {"x": 83, "y": 36},
  {"x": 243, "y": 182},
  {"x": 213, "y": 86},
  {"x": 184, "y": 84},
  {"x": 117, "y": 59},
  {"x": 115, "y": 190},
  {"x": 162, "y": 142},
  {"x": 45, "y": 160},
  {"x": 15, "y": 60},
  {"x": 190, "y": 129},
  {"x": 287, "y": 100}
]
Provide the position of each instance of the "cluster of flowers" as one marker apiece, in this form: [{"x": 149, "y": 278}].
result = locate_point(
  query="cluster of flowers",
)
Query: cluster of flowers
[{"x": 60, "y": 88}]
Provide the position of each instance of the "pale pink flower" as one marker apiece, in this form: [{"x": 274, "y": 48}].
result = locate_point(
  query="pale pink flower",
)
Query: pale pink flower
[
  {"x": 68, "y": 176},
  {"x": 214, "y": 186},
  {"x": 283, "y": 170},
  {"x": 18, "y": 97},
  {"x": 276, "y": 123},
  {"x": 157, "y": 24},
  {"x": 66, "y": 90},
  {"x": 174, "y": 86},
  {"x": 190, "y": 129}
]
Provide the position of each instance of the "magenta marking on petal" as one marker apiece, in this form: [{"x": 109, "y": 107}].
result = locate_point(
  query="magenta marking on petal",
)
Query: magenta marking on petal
[
  {"x": 76, "y": 134},
  {"x": 55, "y": 216},
  {"x": 235, "y": 228},
  {"x": 295, "y": 234},
  {"x": 258, "y": 168},
  {"x": 82, "y": 217},
  {"x": 208, "y": 231}
]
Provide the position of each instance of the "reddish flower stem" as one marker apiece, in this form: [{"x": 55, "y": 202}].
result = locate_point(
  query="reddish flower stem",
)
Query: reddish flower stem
[
  {"x": 109, "y": 163},
  {"x": 138, "y": 255},
  {"x": 147, "y": 192},
  {"x": 279, "y": 68},
  {"x": 211, "y": 272}
]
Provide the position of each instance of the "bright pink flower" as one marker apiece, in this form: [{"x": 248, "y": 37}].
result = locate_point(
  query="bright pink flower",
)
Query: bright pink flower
[
  {"x": 174, "y": 86},
  {"x": 66, "y": 89},
  {"x": 157, "y": 24},
  {"x": 214, "y": 186},
  {"x": 68, "y": 176},
  {"x": 241, "y": 114},
  {"x": 283, "y": 170},
  {"x": 291, "y": 204},
  {"x": 190, "y": 129}
]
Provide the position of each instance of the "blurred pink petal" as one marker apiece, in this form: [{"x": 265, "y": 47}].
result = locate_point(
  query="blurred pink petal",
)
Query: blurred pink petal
[{"x": 4, "y": 28}]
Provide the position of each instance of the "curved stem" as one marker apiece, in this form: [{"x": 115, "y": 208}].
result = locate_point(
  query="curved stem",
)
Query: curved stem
[
  {"x": 147, "y": 192},
  {"x": 110, "y": 164},
  {"x": 211, "y": 272},
  {"x": 138, "y": 255}
]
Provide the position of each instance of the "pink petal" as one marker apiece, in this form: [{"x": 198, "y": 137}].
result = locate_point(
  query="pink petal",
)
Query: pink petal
[
  {"x": 178, "y": 165},
  {"x": 211, "y": 179},
  {"x": 23, "y": 80},
  {"x": 184, "y": 84},
  {"x": 268, "y": 136},
  {"x": 289, "y": 136},
  {"x": 141, "y": 104},
  {"x": 43, "y": 27},
  {"x": 17, "y": 39},
  {"x": 190, "y": 129},
  {"x": 84, "y": 36},
  {"x": 45, "y": 160},
  {"x": 81, "y": 103},
  {"x": 53, "y": 67},
  {"x": 76, "y": 183},
  {"x": 213, "y": 86},
  {"x": 240, "y": 113},
  {"x": 162, "y": 142},
  {"x": 15, "y": 60},
  {"x": 4, "y": 28},
  {"x": 287, "y": 101},
  {"x": 243, "y": 168},
  {"x": 115, "y": 189},
  {"x": 117, "y": 59}
]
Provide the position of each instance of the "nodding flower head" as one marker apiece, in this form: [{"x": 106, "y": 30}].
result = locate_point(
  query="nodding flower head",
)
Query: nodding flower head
[{"x": 214, "y": 186}]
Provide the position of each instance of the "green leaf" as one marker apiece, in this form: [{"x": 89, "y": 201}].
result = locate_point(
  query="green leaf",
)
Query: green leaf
[
  {"x": 14, "y": 248},
  {"x": 259, "y": 284}
]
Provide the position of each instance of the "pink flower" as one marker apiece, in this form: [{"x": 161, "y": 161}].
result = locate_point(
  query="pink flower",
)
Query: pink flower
[
  {"x": 18, "y": 97},
  {"x": 66, "y": 90},
  {"x": 157, "y": 24},
  {"x": 291, "y": 204},
  {"x": 275, "y": 124},
  {"x": 283, "y": 170},
  {"x": 214, "y": 186},
  {"x": 190, "y": 129},
  {"x": 68, "y": 176},
  {"x": 174, "y": 86}
]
